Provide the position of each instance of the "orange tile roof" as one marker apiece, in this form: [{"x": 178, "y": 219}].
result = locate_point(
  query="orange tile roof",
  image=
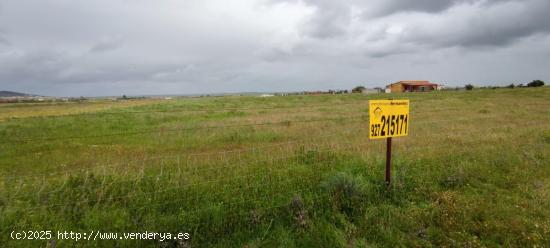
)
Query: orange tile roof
[{"x": 416, "y": 83}]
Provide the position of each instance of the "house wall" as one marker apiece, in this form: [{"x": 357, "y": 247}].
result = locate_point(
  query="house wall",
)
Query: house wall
[
  {"x": 426, "y": 88},
  {"x": 395, "y": 88},
  {"x": 400, "y": 87}
]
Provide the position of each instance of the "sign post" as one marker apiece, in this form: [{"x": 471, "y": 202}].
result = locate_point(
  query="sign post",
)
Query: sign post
[
  {"x": 388, "y": 161},
  {"x": 387, "y": 119}
]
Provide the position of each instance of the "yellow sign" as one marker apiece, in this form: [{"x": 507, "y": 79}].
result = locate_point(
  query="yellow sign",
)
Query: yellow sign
[{"x": 388, "y": 118}]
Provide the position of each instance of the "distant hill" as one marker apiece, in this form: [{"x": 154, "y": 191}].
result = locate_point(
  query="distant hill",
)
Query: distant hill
[{"x": 14, "y": 94}]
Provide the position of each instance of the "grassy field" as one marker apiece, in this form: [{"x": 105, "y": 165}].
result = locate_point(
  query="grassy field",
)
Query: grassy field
[{"x": 291, "y": 171}]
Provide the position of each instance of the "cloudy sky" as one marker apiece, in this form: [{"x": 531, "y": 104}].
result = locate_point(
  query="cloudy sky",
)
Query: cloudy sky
[{"x": 115, "y": 47}]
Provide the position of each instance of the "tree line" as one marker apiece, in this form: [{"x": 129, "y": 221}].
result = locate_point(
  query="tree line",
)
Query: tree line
[{"x": 534, "y": 83}]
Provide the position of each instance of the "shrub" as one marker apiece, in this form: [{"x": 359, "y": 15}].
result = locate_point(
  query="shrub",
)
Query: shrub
[
  {"x": 469, "y": 87},
  {"x": 346, "y": 192},
  {"x": 536, "y": 83},
  {"x": 358, "y": 89}
]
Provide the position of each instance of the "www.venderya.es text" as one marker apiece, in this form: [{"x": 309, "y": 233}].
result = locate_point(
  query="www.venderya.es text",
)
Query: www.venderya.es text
[{"x": 97, "y": 235}]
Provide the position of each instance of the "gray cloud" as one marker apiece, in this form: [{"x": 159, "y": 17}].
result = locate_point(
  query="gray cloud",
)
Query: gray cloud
[
  {"x": 430, "y": 6},
  {"x": 106, "y": 44},
  {"x": 482, "y": 26},
  {"x": 388, "y": 7},
  {"x": 113, "y": 47},
  {"x": 330, "y": 19},
  {"x": 4, "y": 41},
  {"x": 467, "y": 23}
]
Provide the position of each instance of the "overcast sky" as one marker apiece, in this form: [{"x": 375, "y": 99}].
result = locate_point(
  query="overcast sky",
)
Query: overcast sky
[{"x": 115, "y": 47}]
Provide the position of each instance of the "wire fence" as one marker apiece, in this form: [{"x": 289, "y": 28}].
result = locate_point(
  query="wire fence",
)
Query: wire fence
[
  {"x": 224, "y": 164},
  {"x": 182, "y": 129},
  {"x": 353, "y": 119},
  {"x": 148, "y": 131},
  {"x": 185, "y": 155},
  {"x": 199, "y": 109},
  {"x": 193, "y": 109}
]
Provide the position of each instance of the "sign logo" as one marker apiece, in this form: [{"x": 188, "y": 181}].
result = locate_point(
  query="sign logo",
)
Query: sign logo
[
  {"x": 388, "y": 118},
  {"x": 377, "y": 112}
]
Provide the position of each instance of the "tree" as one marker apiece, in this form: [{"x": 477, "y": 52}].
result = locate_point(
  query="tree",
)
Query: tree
[
  {"x": 358, "y": 89},
  {"x": 511, "y": 86},
  {"x": 469, "y": 87},
  {"x": 536, "y": 83}
]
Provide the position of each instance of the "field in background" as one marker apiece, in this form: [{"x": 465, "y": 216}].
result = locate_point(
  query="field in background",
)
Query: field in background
[
  {"x": 24, "y": 110},
  {"x": 292, "y": 171}
]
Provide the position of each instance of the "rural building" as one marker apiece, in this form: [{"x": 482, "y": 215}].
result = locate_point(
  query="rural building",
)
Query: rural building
[{"x": 411, "y": 86}]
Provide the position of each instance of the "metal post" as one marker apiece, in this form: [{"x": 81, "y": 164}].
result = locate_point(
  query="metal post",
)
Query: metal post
[{"x": 388, "y": 161}]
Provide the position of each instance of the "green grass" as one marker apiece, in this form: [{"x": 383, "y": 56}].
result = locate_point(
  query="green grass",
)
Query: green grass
[{"x": 293, "y": 171}]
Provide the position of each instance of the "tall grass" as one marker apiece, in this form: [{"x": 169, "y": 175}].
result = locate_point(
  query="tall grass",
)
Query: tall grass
[{"x": 474, "y": 171}]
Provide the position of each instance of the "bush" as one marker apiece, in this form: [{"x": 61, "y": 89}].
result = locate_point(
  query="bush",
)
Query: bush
[
  {"x": 469, "y": 87},
  {"x": 536, "y": 83},
  {"x": 358, "y": 89},
  {"x": 347, "y": 193},
  {"x": 511, "y": 86}
]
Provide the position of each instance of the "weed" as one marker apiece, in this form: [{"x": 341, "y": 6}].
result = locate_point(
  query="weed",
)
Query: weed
[
  {"x": 299, "y": 212},
  {"x": 347, "y": 193}
]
